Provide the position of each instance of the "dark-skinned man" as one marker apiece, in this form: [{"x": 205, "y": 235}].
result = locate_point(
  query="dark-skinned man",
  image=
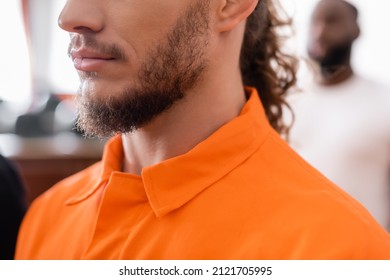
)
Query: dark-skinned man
[{"x": 342, "y": 121}]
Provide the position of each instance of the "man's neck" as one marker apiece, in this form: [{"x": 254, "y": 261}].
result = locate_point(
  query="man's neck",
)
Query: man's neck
[
  {"x": 185, "y": 125},
  {"x": 335, "y": 75}
]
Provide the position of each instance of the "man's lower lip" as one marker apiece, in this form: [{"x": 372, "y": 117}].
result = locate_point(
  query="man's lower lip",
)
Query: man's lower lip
[{"x": 89, "y": 64}]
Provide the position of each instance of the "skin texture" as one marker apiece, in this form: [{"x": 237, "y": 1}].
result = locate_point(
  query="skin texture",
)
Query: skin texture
[
  {"x": 115, "y": 45},
  {"x": 333, "y": 30}
]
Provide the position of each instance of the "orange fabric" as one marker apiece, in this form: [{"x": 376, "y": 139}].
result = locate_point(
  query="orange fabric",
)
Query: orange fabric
[{"x": 240, "y": 194}]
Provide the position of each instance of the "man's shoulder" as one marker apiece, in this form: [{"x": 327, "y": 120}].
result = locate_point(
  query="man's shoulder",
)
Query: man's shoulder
[
  {"x": 291, "y": 173},
  {"x": 288, "y": 174},
  {"x": 314, "y": 211}
]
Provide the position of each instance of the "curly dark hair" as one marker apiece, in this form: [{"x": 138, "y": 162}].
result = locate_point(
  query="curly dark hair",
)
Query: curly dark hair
[{"x": 264, "y": 65}]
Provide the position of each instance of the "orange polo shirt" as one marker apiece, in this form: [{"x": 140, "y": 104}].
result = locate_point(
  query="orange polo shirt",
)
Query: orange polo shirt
[{"x": 240, "y": 194}]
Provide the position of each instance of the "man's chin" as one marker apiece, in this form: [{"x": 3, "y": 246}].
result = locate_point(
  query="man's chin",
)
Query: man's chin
[
  {"x": 97, "y": 87},
  {"x": 317, "y": 57}
]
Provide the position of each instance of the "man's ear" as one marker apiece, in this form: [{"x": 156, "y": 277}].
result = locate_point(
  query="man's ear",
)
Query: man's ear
[
  {"x": 356, "y": 32},
  {"x": 232, "y": 12}
]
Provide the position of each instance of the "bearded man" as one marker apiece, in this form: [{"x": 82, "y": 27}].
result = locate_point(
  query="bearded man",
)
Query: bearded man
[
  {"x": 192, "y": 93},
  {"x": 342, "y": 120}
]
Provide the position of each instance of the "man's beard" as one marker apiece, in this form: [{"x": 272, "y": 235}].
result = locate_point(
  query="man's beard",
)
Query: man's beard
[
  {"x": 171, "y": 69},
  {"x": 336, "y": 56}
]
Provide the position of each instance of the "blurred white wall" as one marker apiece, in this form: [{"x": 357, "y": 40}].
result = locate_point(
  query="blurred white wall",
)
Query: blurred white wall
[
  {"x": 63, "y": 76},
  {"x": 15, "y": 68}
]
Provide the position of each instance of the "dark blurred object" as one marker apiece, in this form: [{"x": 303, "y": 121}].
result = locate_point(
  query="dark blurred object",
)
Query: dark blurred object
[
  {"x": 8, "y": 115},
  {"x": 40, "y": 123},
  {"x": 12, "y": 208},
  {"x": 43, "y": 161}
]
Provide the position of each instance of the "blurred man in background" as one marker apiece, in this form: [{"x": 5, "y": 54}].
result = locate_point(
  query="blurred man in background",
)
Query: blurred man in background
[
  {"x": 12, "y": 208},
  {"x": 342, "y": 121}
]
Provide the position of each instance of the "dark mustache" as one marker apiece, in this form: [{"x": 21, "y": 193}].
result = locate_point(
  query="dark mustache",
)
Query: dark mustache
[{"x": 91, "y": 43}]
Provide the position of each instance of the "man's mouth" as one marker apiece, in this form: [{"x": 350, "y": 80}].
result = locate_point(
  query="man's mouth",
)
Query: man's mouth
[{"x": 89, "y": 61}]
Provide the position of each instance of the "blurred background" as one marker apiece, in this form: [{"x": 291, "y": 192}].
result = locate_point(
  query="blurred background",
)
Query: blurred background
[
  {"x": 38, "y": 82},
  {"x": 370, "y": 57}
]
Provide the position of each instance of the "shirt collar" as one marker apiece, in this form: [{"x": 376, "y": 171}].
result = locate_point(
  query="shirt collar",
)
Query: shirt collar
[
  {"x": 172, "y": 183},
  {"x": 96, "y": 176}
]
